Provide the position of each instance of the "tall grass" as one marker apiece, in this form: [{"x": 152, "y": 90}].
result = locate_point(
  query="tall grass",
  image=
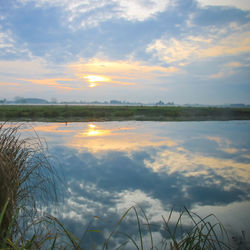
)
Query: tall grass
[
  {"x": 26, "y": 180},
  {"x": 176, "y": 234},
  {"x": 186, "y": 231}
]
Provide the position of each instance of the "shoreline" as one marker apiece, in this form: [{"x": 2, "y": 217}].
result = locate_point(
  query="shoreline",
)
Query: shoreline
[{"x": 95, "y": 113}]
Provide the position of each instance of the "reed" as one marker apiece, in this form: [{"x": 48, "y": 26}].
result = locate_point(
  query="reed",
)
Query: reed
[
  {"x": 195, "y": 233},
  {"x": 201, "y": 234},
  {"x": 27, "y": 179}
]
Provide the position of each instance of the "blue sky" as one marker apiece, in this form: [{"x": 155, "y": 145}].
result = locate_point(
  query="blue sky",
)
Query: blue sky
[{"x": 192, "y": 51}]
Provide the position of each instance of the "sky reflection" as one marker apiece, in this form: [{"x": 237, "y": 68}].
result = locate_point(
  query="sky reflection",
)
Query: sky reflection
[{"x": 158, "y": 165}]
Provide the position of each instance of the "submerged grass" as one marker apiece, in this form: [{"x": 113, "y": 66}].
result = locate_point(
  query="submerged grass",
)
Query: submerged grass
[{"x": 27, "y": 177}]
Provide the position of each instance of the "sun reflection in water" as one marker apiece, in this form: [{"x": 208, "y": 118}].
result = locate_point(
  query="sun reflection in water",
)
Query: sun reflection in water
[
  {"x": 92, "y": 126},
  {"x": 94, "y": 131}
]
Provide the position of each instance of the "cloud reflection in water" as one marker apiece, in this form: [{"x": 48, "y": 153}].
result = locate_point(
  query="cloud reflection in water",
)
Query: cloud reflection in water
[{"x": 111, "y": 166}]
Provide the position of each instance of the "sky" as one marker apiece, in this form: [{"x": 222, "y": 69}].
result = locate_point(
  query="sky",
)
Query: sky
[{"x": 192, "y": 51}]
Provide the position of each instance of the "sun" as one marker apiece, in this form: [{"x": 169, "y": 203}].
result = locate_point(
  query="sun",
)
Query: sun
[{"x": 94, "y": 79}]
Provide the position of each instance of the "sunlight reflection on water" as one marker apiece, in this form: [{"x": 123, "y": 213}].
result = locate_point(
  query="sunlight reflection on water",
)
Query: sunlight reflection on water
[{"x": 109, "y": 166}]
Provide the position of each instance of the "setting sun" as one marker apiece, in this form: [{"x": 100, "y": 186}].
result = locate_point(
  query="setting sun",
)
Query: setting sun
[
  {"x": 94, "y": 79},
  {"x": 97, "y": 78}
]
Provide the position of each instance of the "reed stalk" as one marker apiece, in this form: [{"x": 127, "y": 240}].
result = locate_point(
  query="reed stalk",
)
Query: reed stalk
[{"x": 27, "y": 179}]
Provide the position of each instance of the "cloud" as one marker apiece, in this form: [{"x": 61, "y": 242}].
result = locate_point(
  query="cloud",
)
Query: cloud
[
  {"x": 110, "y": 139},
  {"x": 75, "y": 76},
  {"x": 103, "y": 137},
  {"x": 165, "y": 161},
  {"x": 213, "y": 42},
  {"x": 85, "y": 13},
  {"x": 229, "y": 69},
  {"x": 36, "y": 72},
  {"x": 118, "y": 72},
  {"x": 58, "y": 83},
  {"x": 9, "y": 46},
  {"x": 7, "y": 84},
  {"x": 19, "y": 68},
  {"x": 234, "y": 64},
  {"x": 240, "y": 4},
  {"x": 140, "y": 9},
  {"x": 6, "y": 43},
  {"x": 221, "y": 74},
  {"x": 94, "y": 80},
  {"x": 6, "y": 40},
  {"x": 103, "y": 183}
]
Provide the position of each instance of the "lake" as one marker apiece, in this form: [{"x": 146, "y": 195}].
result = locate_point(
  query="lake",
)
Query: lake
[{"x": 158, "y": 166}]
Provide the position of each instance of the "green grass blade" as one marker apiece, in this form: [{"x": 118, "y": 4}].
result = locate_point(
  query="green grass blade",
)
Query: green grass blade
[
  {"x": 10, "y": 227},
  {"x": 177, "y": 223},
  {"x": 168, "y": 228},
  {"x": 93, "y": 231},
  {"x": 29, "y": 243},
  {"x": 128, "y": 236},
  {"x": 70, "y": 236},
  {"x": 139, "y": 227},
  {"x": 3, "y": 211},
  {"x": 54, "y": 243},
  {"x": 105, "y": 246},
  {"x": 149, "y": 228},
  {"x": 123, "y": 244}
]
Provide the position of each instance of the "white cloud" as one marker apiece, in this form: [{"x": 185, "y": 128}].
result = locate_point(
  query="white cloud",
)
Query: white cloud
[
  {"x": 9, "y": 45},
  {"x": 140, "y": 9},
  {"x": 6, "y": 42},
  {"x": 240, "y": 4},
  {"x": 92, "y": 12},
  {"x": 212, "y": 42}
]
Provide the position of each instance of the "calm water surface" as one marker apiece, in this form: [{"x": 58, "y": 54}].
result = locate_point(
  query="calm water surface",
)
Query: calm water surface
[{"x": 109, "y": 166}]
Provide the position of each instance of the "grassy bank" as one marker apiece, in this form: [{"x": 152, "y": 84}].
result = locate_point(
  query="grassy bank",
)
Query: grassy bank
[{"x": 70, "y": 113}]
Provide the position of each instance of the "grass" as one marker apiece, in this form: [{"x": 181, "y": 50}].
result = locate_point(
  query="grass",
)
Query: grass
[
  {"x": 27, "y": 177},
  {"x": 118, "y": 113},
  {"x": 199, "y": 233}
]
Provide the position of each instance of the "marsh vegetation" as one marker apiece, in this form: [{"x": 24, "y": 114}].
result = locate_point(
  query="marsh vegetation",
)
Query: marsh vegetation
[
  {"x": 27, "y": 181},
  {"x": 119, "y": 113}
]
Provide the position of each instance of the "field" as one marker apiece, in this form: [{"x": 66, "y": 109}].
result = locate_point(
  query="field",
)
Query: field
[{"x": 70, "y": 113}]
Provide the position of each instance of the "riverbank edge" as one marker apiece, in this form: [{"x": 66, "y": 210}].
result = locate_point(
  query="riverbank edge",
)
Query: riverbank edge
[{"x": 95, "y": 113}]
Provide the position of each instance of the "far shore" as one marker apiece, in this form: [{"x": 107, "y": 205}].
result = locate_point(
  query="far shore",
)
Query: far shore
[{"x": 77, "y": 113}]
